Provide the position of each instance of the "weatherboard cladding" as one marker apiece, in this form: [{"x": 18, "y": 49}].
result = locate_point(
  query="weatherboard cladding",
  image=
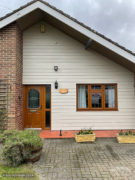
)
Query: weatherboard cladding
[
  {"x": 73, "y": 19},
  {"x": 94, "y": 68},
  {"x": 42, "y": 51}
]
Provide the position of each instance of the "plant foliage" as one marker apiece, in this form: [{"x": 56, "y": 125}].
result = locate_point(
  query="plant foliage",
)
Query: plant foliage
[
  {"x": 126, "y": 133},
  {"x": 85, "y": 131},
  {"x": 19, "y": 145},
  {"x": 3, "y": 119},
  {"x": 7, "y": 134}
]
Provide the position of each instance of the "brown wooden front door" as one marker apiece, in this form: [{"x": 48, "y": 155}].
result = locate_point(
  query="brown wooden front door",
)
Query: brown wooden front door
[{"x": 37, "y": 107}]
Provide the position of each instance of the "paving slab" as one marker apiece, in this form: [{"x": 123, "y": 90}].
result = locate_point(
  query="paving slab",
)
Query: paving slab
[{"x": 64, "y": 159}]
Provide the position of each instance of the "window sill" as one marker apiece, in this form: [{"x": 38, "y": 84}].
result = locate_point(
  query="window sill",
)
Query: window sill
[{"x": 97, "y": 109}]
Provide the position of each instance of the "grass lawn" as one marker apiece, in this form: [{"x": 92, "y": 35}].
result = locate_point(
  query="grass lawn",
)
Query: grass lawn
[{"x": 21, "y": 170}]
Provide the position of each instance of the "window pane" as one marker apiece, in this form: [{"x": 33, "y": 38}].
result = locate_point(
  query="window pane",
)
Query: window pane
[
  {"x": 109, "y": 96},
  {"x": 47, "y": 123},
  {"x": 48, "y": 96},
  {"x": 96, "y": 100},
  {"x": 33, "y": 99},
  {"x": 96, "y": 87},
  {"x": 82, "y": 96}
]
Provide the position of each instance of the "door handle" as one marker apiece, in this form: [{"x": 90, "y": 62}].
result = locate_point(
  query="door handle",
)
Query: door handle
[{"x": 41, "y": 107}]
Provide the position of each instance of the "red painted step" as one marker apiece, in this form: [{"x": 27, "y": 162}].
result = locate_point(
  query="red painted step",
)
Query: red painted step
[{"x": 70, "y": 134}]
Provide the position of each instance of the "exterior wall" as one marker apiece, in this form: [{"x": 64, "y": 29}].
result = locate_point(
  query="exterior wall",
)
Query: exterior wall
[
  {"x": 11, "y": 69},
  {"x": 42, "y": 51}
]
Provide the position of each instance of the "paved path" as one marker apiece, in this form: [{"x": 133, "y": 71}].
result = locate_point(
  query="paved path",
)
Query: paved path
[{"x": 64, "y": 159}]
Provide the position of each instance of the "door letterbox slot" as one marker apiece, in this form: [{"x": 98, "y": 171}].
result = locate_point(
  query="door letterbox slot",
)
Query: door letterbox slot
[{"x": 33, "y": 110}]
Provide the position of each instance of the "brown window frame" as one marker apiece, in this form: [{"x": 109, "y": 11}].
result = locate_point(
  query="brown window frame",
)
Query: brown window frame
[{"x": 102, "y": 90}]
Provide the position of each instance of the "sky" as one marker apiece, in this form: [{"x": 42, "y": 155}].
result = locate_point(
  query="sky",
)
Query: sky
[{"x": 113, "y": 18}]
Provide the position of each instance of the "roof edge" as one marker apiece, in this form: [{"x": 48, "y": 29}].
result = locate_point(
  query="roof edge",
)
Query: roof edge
[{"x": 71, "y": 18}]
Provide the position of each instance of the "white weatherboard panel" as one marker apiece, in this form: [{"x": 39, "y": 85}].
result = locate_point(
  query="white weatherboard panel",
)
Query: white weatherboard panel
[{"x": 42, "y": 51}]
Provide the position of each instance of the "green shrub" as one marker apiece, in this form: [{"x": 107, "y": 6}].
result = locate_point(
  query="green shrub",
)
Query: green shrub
[
  {"x": 5, "y": 134},
  {"x": 130, "y": 132},
  {"x": 19, "y": 145},
  {"x": 3, "y": 119},
  {"x": 126, "y": 133},
  {"x": 30, "y": 137},
  {"x": 12, "y": 152},
  {"x": 89, "y": 131},
  {"x": 121, "y": 133}
]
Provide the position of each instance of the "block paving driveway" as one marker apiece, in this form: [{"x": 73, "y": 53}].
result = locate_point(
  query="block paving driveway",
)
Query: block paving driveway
[{"x": 64, "y": 159}]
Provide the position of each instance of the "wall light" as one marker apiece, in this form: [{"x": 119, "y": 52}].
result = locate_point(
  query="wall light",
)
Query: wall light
[
  {"x": 56, "y": 85},
  {"x": 42, "y": 28},
  {"x": 20, "y": 97},
  {"x": 55, "y": 68}
]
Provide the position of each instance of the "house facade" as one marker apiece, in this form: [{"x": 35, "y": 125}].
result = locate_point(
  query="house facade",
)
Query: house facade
[{"x": 62, "y": 75}]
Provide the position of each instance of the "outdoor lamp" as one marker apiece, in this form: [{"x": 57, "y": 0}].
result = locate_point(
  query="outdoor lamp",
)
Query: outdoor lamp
[
  {"x": 42, "y": 28},
  {"x": 56, "y": 85},
  {"x": 55, "y": 68}
]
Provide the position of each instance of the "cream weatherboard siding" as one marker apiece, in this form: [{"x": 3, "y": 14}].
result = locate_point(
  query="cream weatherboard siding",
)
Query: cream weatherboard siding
[{"x": 42, "y": 51}]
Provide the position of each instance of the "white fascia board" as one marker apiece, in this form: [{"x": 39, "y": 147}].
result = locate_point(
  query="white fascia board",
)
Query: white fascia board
[
  {"x": 87, "y": 32},
  {"x": 70, "y": 23},
  {"x": 18, "y": 14}
]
